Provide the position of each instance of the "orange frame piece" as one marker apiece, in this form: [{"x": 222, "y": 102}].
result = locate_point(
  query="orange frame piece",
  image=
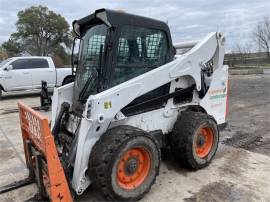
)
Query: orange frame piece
[{"x": 35, "y": 128}]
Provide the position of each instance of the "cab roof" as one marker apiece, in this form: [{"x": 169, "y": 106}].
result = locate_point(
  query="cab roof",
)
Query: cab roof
[{"x": 116, "y": 19}]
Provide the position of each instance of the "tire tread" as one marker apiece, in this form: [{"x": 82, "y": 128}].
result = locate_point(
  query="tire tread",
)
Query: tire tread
[
  {"x": 103, "y": 152},
  {"x": 182, "y": 137}
]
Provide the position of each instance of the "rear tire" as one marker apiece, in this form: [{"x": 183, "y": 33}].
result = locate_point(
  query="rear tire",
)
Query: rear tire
[
  {"x": 124, "y": 163},
  {"x": 194, "y": 139},
  {"x": 1, "y": 93}
]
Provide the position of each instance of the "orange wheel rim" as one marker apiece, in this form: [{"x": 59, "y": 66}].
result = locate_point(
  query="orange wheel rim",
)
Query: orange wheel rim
[
  {"x": 133, "y": 168},
  {"x": 204, "y": 142}
]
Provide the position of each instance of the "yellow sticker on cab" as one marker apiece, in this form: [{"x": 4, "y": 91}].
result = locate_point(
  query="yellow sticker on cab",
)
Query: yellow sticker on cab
[{"x": 107, "y": 105}]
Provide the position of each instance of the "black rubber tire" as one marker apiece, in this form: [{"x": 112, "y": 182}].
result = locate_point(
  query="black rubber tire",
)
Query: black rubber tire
[
  {"x": 1, "y": 93},
  {"x": 68, "y": 80},
  {"x": 184, "y": 135},
  {"x": 105, "y": 156}
]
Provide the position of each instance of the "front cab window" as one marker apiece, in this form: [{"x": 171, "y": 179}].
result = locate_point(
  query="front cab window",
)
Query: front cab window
[{"x": 90, "y": 66}]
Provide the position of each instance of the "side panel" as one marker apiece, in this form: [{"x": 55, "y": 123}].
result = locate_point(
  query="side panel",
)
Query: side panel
[
  {"x": 61, "y": 74},
  {"x": 160, "y": 119},
  {"x": 215, "y": 100},
  {"x": 60, "y": 95},
  {"x": 150, "y": 121}
]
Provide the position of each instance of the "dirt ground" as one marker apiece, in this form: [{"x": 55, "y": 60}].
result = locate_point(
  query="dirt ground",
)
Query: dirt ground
[
  {"x": 249, "y": 120},
  {"x": 239, "y": 172}
]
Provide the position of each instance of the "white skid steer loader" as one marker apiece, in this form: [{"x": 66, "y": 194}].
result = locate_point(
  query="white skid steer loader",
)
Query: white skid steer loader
[{"x": 132, "y": 96}]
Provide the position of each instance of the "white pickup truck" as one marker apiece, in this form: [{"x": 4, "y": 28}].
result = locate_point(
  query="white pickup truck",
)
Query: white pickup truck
[{"x": 26, "y": 73}]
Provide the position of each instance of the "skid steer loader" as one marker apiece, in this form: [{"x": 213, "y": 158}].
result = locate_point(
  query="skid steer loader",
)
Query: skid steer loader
[{"x": 132, "y": 96}]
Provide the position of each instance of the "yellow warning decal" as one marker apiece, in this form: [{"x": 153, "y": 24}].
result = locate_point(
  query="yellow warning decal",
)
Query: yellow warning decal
[{"x": 107, "y": 105}]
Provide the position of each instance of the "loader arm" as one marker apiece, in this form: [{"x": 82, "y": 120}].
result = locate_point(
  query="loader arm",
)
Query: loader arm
[{"x": 41, "y": 155}]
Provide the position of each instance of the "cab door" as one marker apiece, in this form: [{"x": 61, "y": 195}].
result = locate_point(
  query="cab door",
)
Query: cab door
[
  {"x": 19, "y": 77},
  {"x": 141, "y": 50},
  {"x": 41, "y": 71}
]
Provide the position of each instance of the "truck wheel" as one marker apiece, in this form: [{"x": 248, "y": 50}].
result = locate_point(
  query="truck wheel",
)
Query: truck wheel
[
  {"x": 68, "y": 80},
  {"x": 124, "y": 163},
  {"x": 194, "y": 139}
]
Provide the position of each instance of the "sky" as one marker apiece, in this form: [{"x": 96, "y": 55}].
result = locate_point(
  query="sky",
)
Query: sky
[{"x": 187, "y": 19}]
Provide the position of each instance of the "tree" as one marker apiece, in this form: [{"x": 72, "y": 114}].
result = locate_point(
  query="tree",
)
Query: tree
[
  {"x": 262, "y": 36},
  {"x": 3, "y": 54},
  {"x": 242, "y": 51},
  {"x": 40, "y": 32},
  {"x": 12, "y": 47}
]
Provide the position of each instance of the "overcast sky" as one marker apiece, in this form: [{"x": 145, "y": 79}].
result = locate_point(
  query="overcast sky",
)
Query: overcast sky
[{"x": 187, "y": 19}]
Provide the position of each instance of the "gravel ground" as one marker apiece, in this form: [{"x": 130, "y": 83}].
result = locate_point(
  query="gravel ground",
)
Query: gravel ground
[
  {"x": 239, "y": 172},
  {"x": 249, "y": 119}
]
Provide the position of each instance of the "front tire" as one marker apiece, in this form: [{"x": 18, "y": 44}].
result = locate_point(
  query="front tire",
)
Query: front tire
[
  {"x": 124, "y": 163},
  {"x": 194, "y": 139}
]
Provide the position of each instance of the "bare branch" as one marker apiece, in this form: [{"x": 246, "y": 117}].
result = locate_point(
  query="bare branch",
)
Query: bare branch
[{"x": 262, "y": 35}]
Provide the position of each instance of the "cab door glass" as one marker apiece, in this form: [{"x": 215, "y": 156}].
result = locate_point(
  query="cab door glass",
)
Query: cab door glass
[
  {"x": 139, "y": 50},
  {"x": 90, "y": 67},
  {"x": 91, "y": 54}
]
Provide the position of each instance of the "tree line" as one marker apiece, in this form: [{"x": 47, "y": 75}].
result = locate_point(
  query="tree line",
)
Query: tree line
[
  {"x": 257, "y": 52},
  {"x": 40, "y": 32}
]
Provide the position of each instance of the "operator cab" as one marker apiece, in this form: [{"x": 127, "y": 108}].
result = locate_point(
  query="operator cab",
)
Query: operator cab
[{"x": 116, "y": 47}]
